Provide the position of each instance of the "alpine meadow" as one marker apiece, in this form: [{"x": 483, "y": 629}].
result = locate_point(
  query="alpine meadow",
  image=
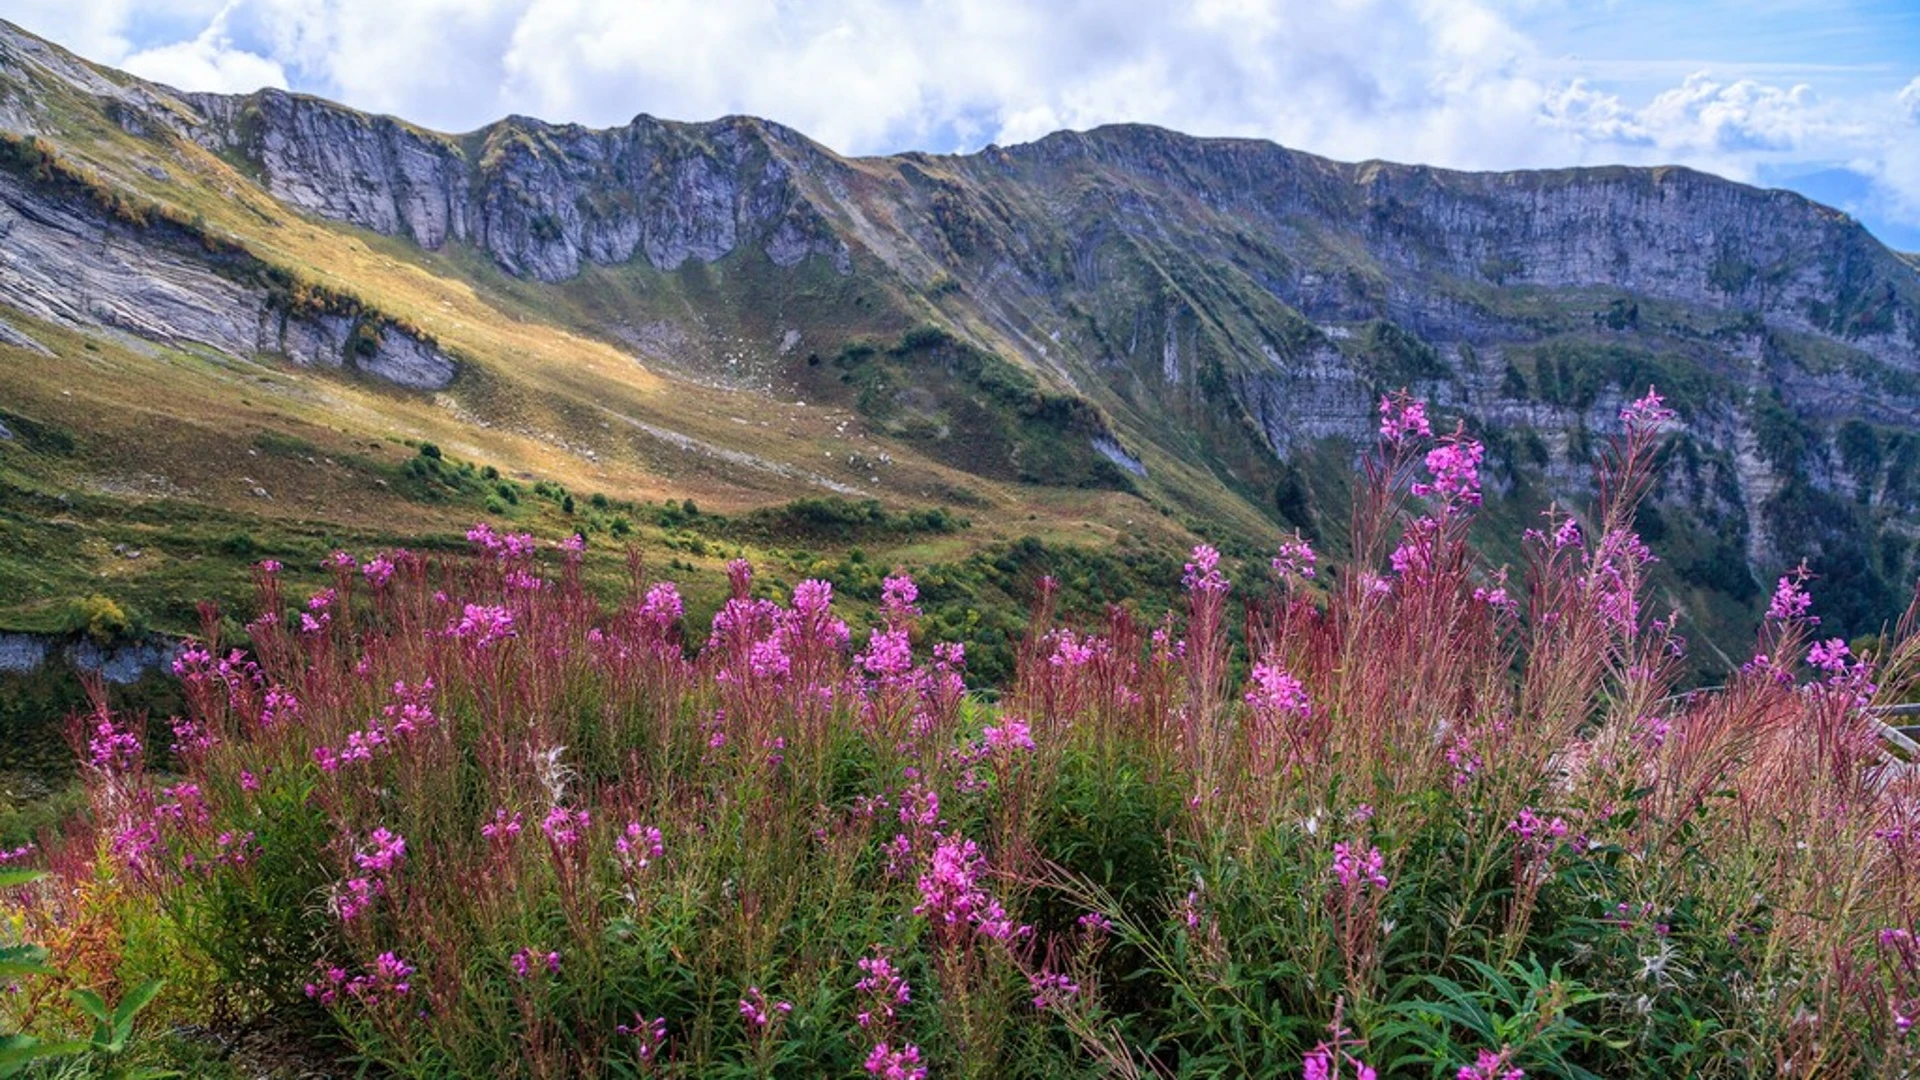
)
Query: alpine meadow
[{"x": 679, "y": 600}]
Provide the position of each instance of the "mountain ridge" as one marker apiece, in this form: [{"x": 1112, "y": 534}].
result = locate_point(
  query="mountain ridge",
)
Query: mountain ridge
[{"x": 1193, "y": 330}]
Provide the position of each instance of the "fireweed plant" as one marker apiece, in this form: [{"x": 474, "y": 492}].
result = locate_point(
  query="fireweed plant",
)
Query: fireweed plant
[{"x": 470, "y": 822}]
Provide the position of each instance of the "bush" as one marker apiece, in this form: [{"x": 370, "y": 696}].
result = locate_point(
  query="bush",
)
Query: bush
[{"x": 100, "y": 618}]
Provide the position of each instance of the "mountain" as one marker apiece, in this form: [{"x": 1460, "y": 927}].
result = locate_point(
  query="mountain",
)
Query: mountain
[{"x": 227, "y": 325}]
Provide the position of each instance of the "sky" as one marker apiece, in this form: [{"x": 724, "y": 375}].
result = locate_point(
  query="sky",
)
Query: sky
[{"x": 1820, "y": 96}]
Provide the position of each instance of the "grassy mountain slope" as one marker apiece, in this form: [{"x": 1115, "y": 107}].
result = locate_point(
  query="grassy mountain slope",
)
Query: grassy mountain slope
[{"x": 1106, "y": 339}]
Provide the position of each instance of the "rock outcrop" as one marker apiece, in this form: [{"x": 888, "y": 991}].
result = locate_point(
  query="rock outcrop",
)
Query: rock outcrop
[
  {"x": 64, "y": 260},
  {"x": 542, "y": 199}
]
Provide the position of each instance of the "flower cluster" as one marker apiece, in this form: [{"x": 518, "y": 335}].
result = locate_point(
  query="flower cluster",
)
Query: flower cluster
[
  {"x": 1491, "y": 1066},
  {"x": 390, "y": 978},
  {"x": 890, "y": 1064},
  {"x": 882, "y": 985},
  {"x": 565, "y": 828},
  {"x": 1355, "y": 872},
  {"x": 1791, "y": 602},
  {"x": 1403, "y": 417},
  {"x": 649, "y": 1035},
  {"x": 952, "y": 898},
  {"x": 1202, "y": 574},
  {"x": 1295, "y": 559},
  {"x": 760, "y": 1013},
  {"x": 527, "y": 961},
  {"x": 1455, "y": 468}
]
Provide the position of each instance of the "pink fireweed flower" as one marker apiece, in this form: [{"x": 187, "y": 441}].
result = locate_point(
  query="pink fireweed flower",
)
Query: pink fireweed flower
[
  {"x": 1356, "y": 872},
  {"x": 1830, "y": 656},
  {"x": 16, "y": 854},
  {"x": 739, "y": 576},
  {"x": 327, "y": 990},
  {"x": 662, "y": 606},
  {"x": 1051, "y": 989},
  {"x": 889, "y": 1064},
  {"x": 1202, "y": 575},
  {"x": 355, "y": 895},
  {"x": 574, "y": 544},
  {"x": 640, "y": 845},
  {"x": 188, "y": 805},
  {"x": 651, "y": 1035},
  {"x": 526, "y": 961},
  {"x": 482, "y": 536},
  {"x": 768, "y": 659},
  {"x": 1466, "y": 760},
  {"x": 1791, "y": 600},
  {"x": 1070, "y": 651},
  {"x": 1497, "y": 599},
  {"x": 952, "y": 897},
  {"x": 813, "y": 597},
  {"x": 881, "y": 982},
  {"x": 1490, "y": 1066},
  {"x": 1095, "y": 923},
  {"x": 482, "y": 625},
  {"x": 1012, "y": 735},
  {"x": 134, "y": 840},
  {"x": 188, "y": 737},
  {"x": 280, "y": 707},
  {"x": 378, "y": 571},
  {"x": 1530, "y": 826},
  {"x": 1275, "y": 693},
  {"x": 502, "y": 829},
  {"x": 564, "y": 827},
  {"x": 110, "y": 749},
  {"x": 522, "y": 581},
  {"x": 413, "y": 710},
  {"x": 897, "y": 596},
  {"x": 1455, "y": 467},
  {"x": 759, "y": 1012},
  {"x": 236, "y": 850},
  {"x": 384, "y": 852},
  {"x": 1295, "y": 559},
  {"x": 1648, "y": 412},
  {"x": 389, "y": 978},
  {"x": 889, "y": 652},
  {"x": 1402, "y": 417},
  {"x": 1326, "y": 1062}
]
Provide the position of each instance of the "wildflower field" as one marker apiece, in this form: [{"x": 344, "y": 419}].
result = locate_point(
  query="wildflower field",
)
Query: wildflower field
[{"x": 460, "y": 818}]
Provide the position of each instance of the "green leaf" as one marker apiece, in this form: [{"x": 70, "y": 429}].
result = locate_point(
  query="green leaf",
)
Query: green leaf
[
  {"x": 19, "y": 1051},
  {"x": 23, "y": 960},
  {"x": 93, "y": 1005},
  {"x": 131, "y": 1005},
  {"x": 11, "y": 879}
]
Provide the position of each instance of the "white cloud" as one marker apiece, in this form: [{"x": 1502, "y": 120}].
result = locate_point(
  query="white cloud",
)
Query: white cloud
[
  {"x": 209, "y": 62},
  {"x": 1448, "y": 82}
]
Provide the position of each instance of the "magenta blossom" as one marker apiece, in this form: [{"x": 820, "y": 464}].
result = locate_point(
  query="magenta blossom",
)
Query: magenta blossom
[
  {"x": 1202, "y": 574},
  {"x": 1359, "y": 871},
  {"x": 1791, "y": 600},
  {"x": 889, "y": 1064},
  {"x": 1491, "y": 1066},
  {"x": 1403, "y": 417}
]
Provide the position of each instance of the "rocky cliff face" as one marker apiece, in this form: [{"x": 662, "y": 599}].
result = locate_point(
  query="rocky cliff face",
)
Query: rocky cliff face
[
  {"x": 543, "y": 200},
  {"x": 64, "y": 260}
]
